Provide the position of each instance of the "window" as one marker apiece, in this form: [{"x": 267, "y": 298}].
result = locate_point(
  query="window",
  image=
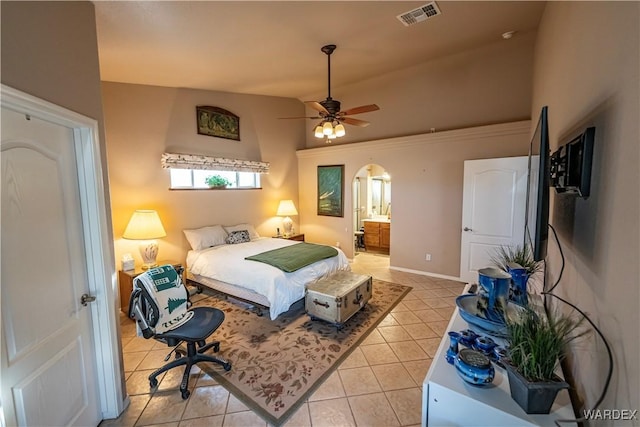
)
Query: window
[{"x": 195, "y": 178}]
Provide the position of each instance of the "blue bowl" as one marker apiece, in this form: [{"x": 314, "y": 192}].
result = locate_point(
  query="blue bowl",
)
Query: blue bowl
[{"x": 468, "y": 308}]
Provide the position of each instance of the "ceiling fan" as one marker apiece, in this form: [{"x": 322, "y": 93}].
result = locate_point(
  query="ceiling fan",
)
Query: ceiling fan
[{"x": 331, "y": 118}]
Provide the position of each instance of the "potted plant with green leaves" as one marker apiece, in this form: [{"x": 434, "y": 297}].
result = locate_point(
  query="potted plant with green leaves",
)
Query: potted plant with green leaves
[
  {"x": 520, "y": 255},
  {"x": 217, "y": 181},
  {"x": 519, "y": 262},
  {"x": 536, "y": 346}
]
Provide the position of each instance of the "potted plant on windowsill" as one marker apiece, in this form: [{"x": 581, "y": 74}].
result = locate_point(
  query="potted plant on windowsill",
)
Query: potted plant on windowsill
[
  {"x": 217, "y": 181},
  {"x": 536, "y": 346}
]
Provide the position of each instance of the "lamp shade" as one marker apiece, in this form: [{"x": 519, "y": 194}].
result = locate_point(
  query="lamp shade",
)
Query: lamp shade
[
  {"x": 286, "y": 208},
  {"x": 144, "y": 225},
  {"x": 327, "y": 128}
]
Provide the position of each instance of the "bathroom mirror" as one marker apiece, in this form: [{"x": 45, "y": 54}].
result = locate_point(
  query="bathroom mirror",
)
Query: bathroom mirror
[{"x": 380, "y": 195}]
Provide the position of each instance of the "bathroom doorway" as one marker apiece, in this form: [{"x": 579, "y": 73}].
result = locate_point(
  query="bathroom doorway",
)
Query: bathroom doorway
[{"x": 372, "y": 210}]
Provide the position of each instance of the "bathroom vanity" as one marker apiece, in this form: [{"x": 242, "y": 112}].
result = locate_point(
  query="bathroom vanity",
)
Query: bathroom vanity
[{"x": 377, "y": 233}]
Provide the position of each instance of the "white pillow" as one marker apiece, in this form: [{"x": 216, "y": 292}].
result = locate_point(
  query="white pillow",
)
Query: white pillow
[
  {"x": 206, "y": 237},
  {"x": 253, "y": 234}
]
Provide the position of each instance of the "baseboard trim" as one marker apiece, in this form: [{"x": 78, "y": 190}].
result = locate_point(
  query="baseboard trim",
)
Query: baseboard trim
[{"x": 426, "y": 273}]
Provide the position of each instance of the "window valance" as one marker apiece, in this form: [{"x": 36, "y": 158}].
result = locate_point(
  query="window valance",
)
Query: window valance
[{"x": 190, "y": 161}]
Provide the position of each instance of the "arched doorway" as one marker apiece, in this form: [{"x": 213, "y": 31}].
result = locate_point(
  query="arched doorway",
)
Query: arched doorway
[{"x": 372, "y": 210}]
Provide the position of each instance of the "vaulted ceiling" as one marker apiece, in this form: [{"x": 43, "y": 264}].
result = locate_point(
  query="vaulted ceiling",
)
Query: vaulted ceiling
[{"x": 273, "y": 48}]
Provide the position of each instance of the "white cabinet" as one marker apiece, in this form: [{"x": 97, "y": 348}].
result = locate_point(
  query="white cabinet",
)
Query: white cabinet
[{"x": 449, "y": 401}]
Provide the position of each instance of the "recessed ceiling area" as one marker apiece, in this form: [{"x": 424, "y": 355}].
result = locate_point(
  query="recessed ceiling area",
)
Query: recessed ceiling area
[{"x": 273, "y": 48}]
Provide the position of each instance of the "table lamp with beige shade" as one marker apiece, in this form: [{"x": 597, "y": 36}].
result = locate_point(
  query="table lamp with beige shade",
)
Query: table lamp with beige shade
[
  {"x": 287, "y": 209},
  {"x": 145, "y": 225}
]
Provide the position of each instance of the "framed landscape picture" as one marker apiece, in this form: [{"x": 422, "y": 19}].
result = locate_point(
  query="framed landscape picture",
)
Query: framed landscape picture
[
  {"x": 215, "y": 121},
  {"x": 330, "y": 190}
]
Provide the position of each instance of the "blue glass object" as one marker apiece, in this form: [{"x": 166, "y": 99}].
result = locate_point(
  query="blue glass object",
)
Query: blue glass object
[
  {"x": 499, "y": 352},
  {"x": 519, "y": 278},
  {"x": 496, "y": 283},
  {"x": 452, "y": 351},
  {"x": 485, "y": 345},
  {"x": 474, "y": 367},
  {"x": 468, "y": 337}
]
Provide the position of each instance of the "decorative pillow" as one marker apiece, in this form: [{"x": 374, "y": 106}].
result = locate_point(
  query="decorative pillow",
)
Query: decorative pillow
[
  {"x": 206, "y": 237},
  {"x": 253, "y": 234},
  {"x": 241, "y": 236}
]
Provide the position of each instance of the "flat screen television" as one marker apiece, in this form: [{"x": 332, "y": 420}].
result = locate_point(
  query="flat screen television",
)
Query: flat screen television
[{"x": 536, "y": 229}]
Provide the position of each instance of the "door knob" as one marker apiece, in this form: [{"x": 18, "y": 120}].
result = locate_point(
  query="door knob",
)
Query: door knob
[
  {"x": 467, "y": 229},
  {"x": 86, "y": 298}
]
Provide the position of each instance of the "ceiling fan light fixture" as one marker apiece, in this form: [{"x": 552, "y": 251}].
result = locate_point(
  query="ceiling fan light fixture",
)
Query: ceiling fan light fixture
[
  {"x": 329, "y": 115},
  {"x": 327, "y": 128}
]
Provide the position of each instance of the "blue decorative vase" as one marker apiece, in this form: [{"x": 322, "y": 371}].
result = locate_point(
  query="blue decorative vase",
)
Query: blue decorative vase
[
  {"x": 496, "y": 283},
  {"x": 485, "y": 345},
  {"x": 474, "y": 367},
  {"x": 468, "y": 337},
  {"x": 452, "y": 351},
  {"x": 519, "y": 278}
]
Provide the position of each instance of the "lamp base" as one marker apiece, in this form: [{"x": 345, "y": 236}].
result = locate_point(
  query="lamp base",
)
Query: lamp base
[
  {"x": 149, "y": 253},
  {"x": 287, "y": 224}
]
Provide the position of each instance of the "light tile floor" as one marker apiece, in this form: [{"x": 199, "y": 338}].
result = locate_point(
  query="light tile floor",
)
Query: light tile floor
[{"x": 379, "y": 384}]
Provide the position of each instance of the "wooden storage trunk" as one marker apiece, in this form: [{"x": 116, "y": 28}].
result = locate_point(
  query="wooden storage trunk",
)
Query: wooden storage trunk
[{"x": 338, "y": 297}]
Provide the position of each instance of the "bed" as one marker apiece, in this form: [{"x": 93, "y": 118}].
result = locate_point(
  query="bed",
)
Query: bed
[{"x": 223, "y": 268}]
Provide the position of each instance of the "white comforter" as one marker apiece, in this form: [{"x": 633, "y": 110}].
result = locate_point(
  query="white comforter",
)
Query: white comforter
[{"x": 226, "y": 263}]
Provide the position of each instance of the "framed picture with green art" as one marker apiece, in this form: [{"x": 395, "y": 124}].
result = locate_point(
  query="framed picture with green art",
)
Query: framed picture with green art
[
  {"x": 330, "y": 190},
  {"x": 216, "y": 121}
]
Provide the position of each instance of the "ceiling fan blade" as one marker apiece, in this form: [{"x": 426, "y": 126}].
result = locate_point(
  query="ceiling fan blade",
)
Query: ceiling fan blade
[
  {"x": 316, "y": 106},
  {"x": 361, "y": 109},
  {"x": 301, "y": 117},
  {"x": 354, "y": 122}
]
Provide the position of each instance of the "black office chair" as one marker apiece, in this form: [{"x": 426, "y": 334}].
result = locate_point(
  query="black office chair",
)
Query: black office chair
[{"x": 175, "y": 323}]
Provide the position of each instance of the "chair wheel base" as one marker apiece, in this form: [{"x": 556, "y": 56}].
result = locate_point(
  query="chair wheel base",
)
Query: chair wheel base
[
  {"x": 185, "y": 394},
  {"x": 153, "y": 382},
  {"x": 227, "y": 366}
]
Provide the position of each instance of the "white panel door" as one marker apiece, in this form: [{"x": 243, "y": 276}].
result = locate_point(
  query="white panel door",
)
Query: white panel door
[
  {"x": 48, "y": 363},
  {"x": 493, "y": 210}
]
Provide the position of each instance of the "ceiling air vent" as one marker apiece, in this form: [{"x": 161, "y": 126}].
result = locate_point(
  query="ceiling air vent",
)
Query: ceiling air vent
[{"x": 420, "y": 14}]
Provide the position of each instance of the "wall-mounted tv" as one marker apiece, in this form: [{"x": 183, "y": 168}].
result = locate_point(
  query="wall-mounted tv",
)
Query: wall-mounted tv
[
  {"x": 571, "y": 165},
  {"x": 536, "y": 228}
]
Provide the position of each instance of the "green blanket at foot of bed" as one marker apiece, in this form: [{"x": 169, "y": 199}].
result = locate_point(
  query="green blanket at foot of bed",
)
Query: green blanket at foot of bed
[{"x": 294, "y": 257}]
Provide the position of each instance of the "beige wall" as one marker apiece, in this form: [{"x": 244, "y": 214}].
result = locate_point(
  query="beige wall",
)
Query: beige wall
[
  {"x": 49, "y": 50},
  {"x": 142, "y": 122},
  {"x": 586, "y": 71},
  {"x": 427, "y": 176},
  {"x": 488, "y": 85}
]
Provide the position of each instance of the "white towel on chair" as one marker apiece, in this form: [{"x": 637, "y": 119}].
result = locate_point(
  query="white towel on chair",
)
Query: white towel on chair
[{"x": 170, "y": 295}]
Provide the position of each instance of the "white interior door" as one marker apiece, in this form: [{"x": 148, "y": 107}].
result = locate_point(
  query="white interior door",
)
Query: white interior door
[
  {"x": 493, "y": 210},
  {"x": 48, "y": 361}
]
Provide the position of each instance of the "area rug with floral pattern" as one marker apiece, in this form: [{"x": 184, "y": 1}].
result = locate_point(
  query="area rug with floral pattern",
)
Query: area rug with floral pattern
[{"x": 277, "y": 364}]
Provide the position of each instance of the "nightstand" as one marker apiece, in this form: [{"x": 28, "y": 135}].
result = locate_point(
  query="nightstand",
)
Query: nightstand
[
  {"x": 298, "y": 237},
  {"x": 125, "y": 282}
]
